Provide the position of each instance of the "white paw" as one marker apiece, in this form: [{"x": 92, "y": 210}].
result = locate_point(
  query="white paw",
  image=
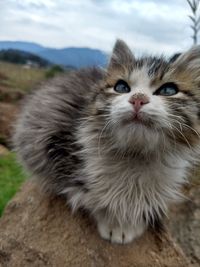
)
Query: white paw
[{"x": 120, "y": 235}]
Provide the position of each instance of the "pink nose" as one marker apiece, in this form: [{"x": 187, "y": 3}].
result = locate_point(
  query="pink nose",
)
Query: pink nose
[{"x": 138, "y": 100}]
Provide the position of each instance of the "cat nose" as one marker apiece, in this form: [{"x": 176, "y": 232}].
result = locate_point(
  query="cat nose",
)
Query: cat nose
[{"x": 138, "y": 100}]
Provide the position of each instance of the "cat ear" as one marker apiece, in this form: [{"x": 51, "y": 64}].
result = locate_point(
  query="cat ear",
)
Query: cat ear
[
  {"x": 189, "y": 62},
  {"x": 121, "y": 57}
]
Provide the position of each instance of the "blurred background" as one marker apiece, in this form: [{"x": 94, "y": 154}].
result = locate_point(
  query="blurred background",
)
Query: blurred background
[{"x": 42, "y": 38}]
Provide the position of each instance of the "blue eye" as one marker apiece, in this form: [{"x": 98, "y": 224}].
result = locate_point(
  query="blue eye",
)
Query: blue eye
[
  {"x": 122, "y": 87},
  {"x": 167, "y": 89}
]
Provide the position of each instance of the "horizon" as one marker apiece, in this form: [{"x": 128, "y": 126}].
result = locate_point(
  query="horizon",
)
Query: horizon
[{"x": 29, "y": 42}]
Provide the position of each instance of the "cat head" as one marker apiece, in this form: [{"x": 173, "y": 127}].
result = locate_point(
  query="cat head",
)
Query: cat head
[{"x": 151, "y": 101}]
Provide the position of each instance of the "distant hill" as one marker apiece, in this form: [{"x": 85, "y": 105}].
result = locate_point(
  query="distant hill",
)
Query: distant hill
[
  {"x": 22, "y": 57},
  {"x": 74, "y": 57},
  {"x": 77, "y": 57},
  {"x": 24, "y": 46}
]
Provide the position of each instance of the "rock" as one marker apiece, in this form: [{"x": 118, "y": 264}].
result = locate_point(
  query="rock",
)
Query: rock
[{"x": 39, "y": 231}]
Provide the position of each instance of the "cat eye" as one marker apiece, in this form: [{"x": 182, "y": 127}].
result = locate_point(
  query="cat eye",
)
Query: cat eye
[
  {"x": 167, "y": 89},
  {"x": 122, "y": 87}
]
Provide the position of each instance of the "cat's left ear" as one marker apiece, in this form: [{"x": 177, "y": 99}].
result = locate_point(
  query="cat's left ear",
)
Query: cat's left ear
[
  {"x": 122, "y": 58},
  {"x": 188, "y": 62}
]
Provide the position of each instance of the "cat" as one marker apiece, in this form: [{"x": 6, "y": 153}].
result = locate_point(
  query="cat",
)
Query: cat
[{"x": 118, "y": 142}]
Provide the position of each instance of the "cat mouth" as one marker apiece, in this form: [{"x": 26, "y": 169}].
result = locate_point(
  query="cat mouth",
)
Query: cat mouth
[
  {"x": 137, "y": 118},
  {"x": 140, "y": 119}
]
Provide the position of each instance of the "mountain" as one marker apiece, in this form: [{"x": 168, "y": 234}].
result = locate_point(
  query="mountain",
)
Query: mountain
[
  {"x": 24, "y": 46},
  {"x": 72, "y": 56},
  {"x": 77, "y": 57}
]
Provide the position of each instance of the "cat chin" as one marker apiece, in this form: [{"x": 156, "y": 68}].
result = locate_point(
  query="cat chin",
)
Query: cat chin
[{"x": 138, "y": 136}]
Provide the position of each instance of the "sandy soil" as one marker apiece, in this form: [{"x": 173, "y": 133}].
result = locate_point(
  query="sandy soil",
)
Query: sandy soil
[{"x": 37, "y": 231}]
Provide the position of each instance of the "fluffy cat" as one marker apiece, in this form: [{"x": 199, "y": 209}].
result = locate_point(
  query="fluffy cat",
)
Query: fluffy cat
[{"x": 116, "y": 142}]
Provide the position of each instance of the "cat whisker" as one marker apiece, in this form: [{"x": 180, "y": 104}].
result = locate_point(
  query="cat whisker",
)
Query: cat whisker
[
  {"x": 164, "y": 140},
  {"x": 170, "y": 129},
  {"x": 188, "y": 143},
  {"x": 176, "y": 116},
  {"x": 109, "y": 122},
  {"x": 100, "y": 137},
  {"x": 198, "y": 134},
  {"x": 185, "y": 125},
  {"x": 191, "y": 128}
]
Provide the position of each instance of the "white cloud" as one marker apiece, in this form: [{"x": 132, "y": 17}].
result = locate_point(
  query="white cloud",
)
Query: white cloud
[{"x": 149, "y": 26}]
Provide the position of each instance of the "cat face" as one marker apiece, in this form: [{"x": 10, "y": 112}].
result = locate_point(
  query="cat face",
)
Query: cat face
[{"x": 152, "y": 101}]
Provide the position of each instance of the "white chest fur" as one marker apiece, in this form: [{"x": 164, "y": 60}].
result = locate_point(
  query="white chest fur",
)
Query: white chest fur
[{"x": 130, "y": 189}]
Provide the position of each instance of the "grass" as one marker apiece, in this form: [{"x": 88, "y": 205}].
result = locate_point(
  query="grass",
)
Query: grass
[
  {"x": 13, "y": 79},
  {"x": 11, "y": 177},
  {"x": 20, "y": 78}
]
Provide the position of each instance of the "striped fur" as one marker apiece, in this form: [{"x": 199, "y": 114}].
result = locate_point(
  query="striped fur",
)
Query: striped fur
[{"x": 77, "y": 137}]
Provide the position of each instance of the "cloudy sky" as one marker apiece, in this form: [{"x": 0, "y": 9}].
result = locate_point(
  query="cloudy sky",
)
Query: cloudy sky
[{"x": 150, "y": 26}]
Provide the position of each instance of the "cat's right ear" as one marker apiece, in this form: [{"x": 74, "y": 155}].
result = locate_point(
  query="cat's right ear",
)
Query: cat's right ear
[
  {"x": 122, "y": 58},
  {"x": 187, "y": 65}
]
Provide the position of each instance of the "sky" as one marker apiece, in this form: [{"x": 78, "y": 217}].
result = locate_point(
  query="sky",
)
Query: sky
[{"x": 148, "y": 26}]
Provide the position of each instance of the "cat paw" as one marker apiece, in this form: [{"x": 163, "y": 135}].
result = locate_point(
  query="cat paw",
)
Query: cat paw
[{"x": 120, "y": 235}]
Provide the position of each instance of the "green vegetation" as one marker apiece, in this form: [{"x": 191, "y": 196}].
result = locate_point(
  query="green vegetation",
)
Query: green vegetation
[
  {"x": 51, "y": 72},
  {"x": 15, "y": 82},
  {"x": 11, "y": 177},
  {"x": 17, "y": 77}
]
